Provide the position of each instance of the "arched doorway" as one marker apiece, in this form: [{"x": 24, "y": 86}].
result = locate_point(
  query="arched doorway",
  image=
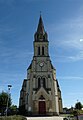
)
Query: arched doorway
[{"x": 42, "y": 105}]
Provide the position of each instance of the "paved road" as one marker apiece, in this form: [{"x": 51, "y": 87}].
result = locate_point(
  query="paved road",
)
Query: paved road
[{"x": 44, "y": 118}]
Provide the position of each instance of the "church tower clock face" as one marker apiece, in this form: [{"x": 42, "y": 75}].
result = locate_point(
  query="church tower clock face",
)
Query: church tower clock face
[
  {"x": 40, "y": 93},
  {"x": 41, "y": 64}
]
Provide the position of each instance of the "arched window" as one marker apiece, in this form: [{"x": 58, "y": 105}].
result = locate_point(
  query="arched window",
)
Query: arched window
[
  {"x": 38, "y": 50},
  {"x": 42, "y": 50},
  {"x": 41, "y": 82}
]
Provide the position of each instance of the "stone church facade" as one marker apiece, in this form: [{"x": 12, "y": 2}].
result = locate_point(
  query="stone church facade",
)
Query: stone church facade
[{"x": 40, "y": 93}]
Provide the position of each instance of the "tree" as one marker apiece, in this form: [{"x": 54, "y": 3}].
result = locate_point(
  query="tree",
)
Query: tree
[
  {"x": 13, "y": 109},
  {"x": 78, "y": 105},
  {"x": 4, "y": 98}
]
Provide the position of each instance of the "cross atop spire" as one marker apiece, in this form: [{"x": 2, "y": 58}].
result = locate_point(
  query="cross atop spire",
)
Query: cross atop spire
[{"x": 40, "y": 35}]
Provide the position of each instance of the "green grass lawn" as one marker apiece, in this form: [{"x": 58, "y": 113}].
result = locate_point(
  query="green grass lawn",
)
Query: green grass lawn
[{"x": 15, "y": 117}]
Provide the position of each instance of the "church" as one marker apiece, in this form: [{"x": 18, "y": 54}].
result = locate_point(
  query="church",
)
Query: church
[{"x": 40, "y": 93}]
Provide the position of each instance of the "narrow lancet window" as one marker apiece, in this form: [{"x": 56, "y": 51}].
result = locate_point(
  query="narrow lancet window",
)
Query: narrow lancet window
[
  {"x": 38, "y": 50},
  {"x": 44, "y": 83},
  {"x": 39, "y": 82},
  {"x": 42, "y": 50}
]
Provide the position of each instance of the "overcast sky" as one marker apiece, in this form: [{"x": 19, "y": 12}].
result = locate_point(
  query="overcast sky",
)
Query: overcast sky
[{"x": 63, "y": 21}]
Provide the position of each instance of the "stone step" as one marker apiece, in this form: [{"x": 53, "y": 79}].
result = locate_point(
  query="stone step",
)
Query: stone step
[{"x": 45, "y": 118}]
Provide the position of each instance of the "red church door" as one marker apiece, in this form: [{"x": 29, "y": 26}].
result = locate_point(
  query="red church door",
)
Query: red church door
[{"x": 42, "y": 107}]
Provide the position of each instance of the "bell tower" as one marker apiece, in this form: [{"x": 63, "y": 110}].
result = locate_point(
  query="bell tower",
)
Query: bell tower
[
  {"x": 40, "y": 93},
  {"x": 41, "y": 40}
]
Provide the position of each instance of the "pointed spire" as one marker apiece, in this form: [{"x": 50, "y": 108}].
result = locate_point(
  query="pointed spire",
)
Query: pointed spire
[
  {"x": 40, "y": 28},
  {"x": 40, "y": 35}
]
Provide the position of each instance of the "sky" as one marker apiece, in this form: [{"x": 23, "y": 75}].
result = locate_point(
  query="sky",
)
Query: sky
[{"x": 63, "y": 21}]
